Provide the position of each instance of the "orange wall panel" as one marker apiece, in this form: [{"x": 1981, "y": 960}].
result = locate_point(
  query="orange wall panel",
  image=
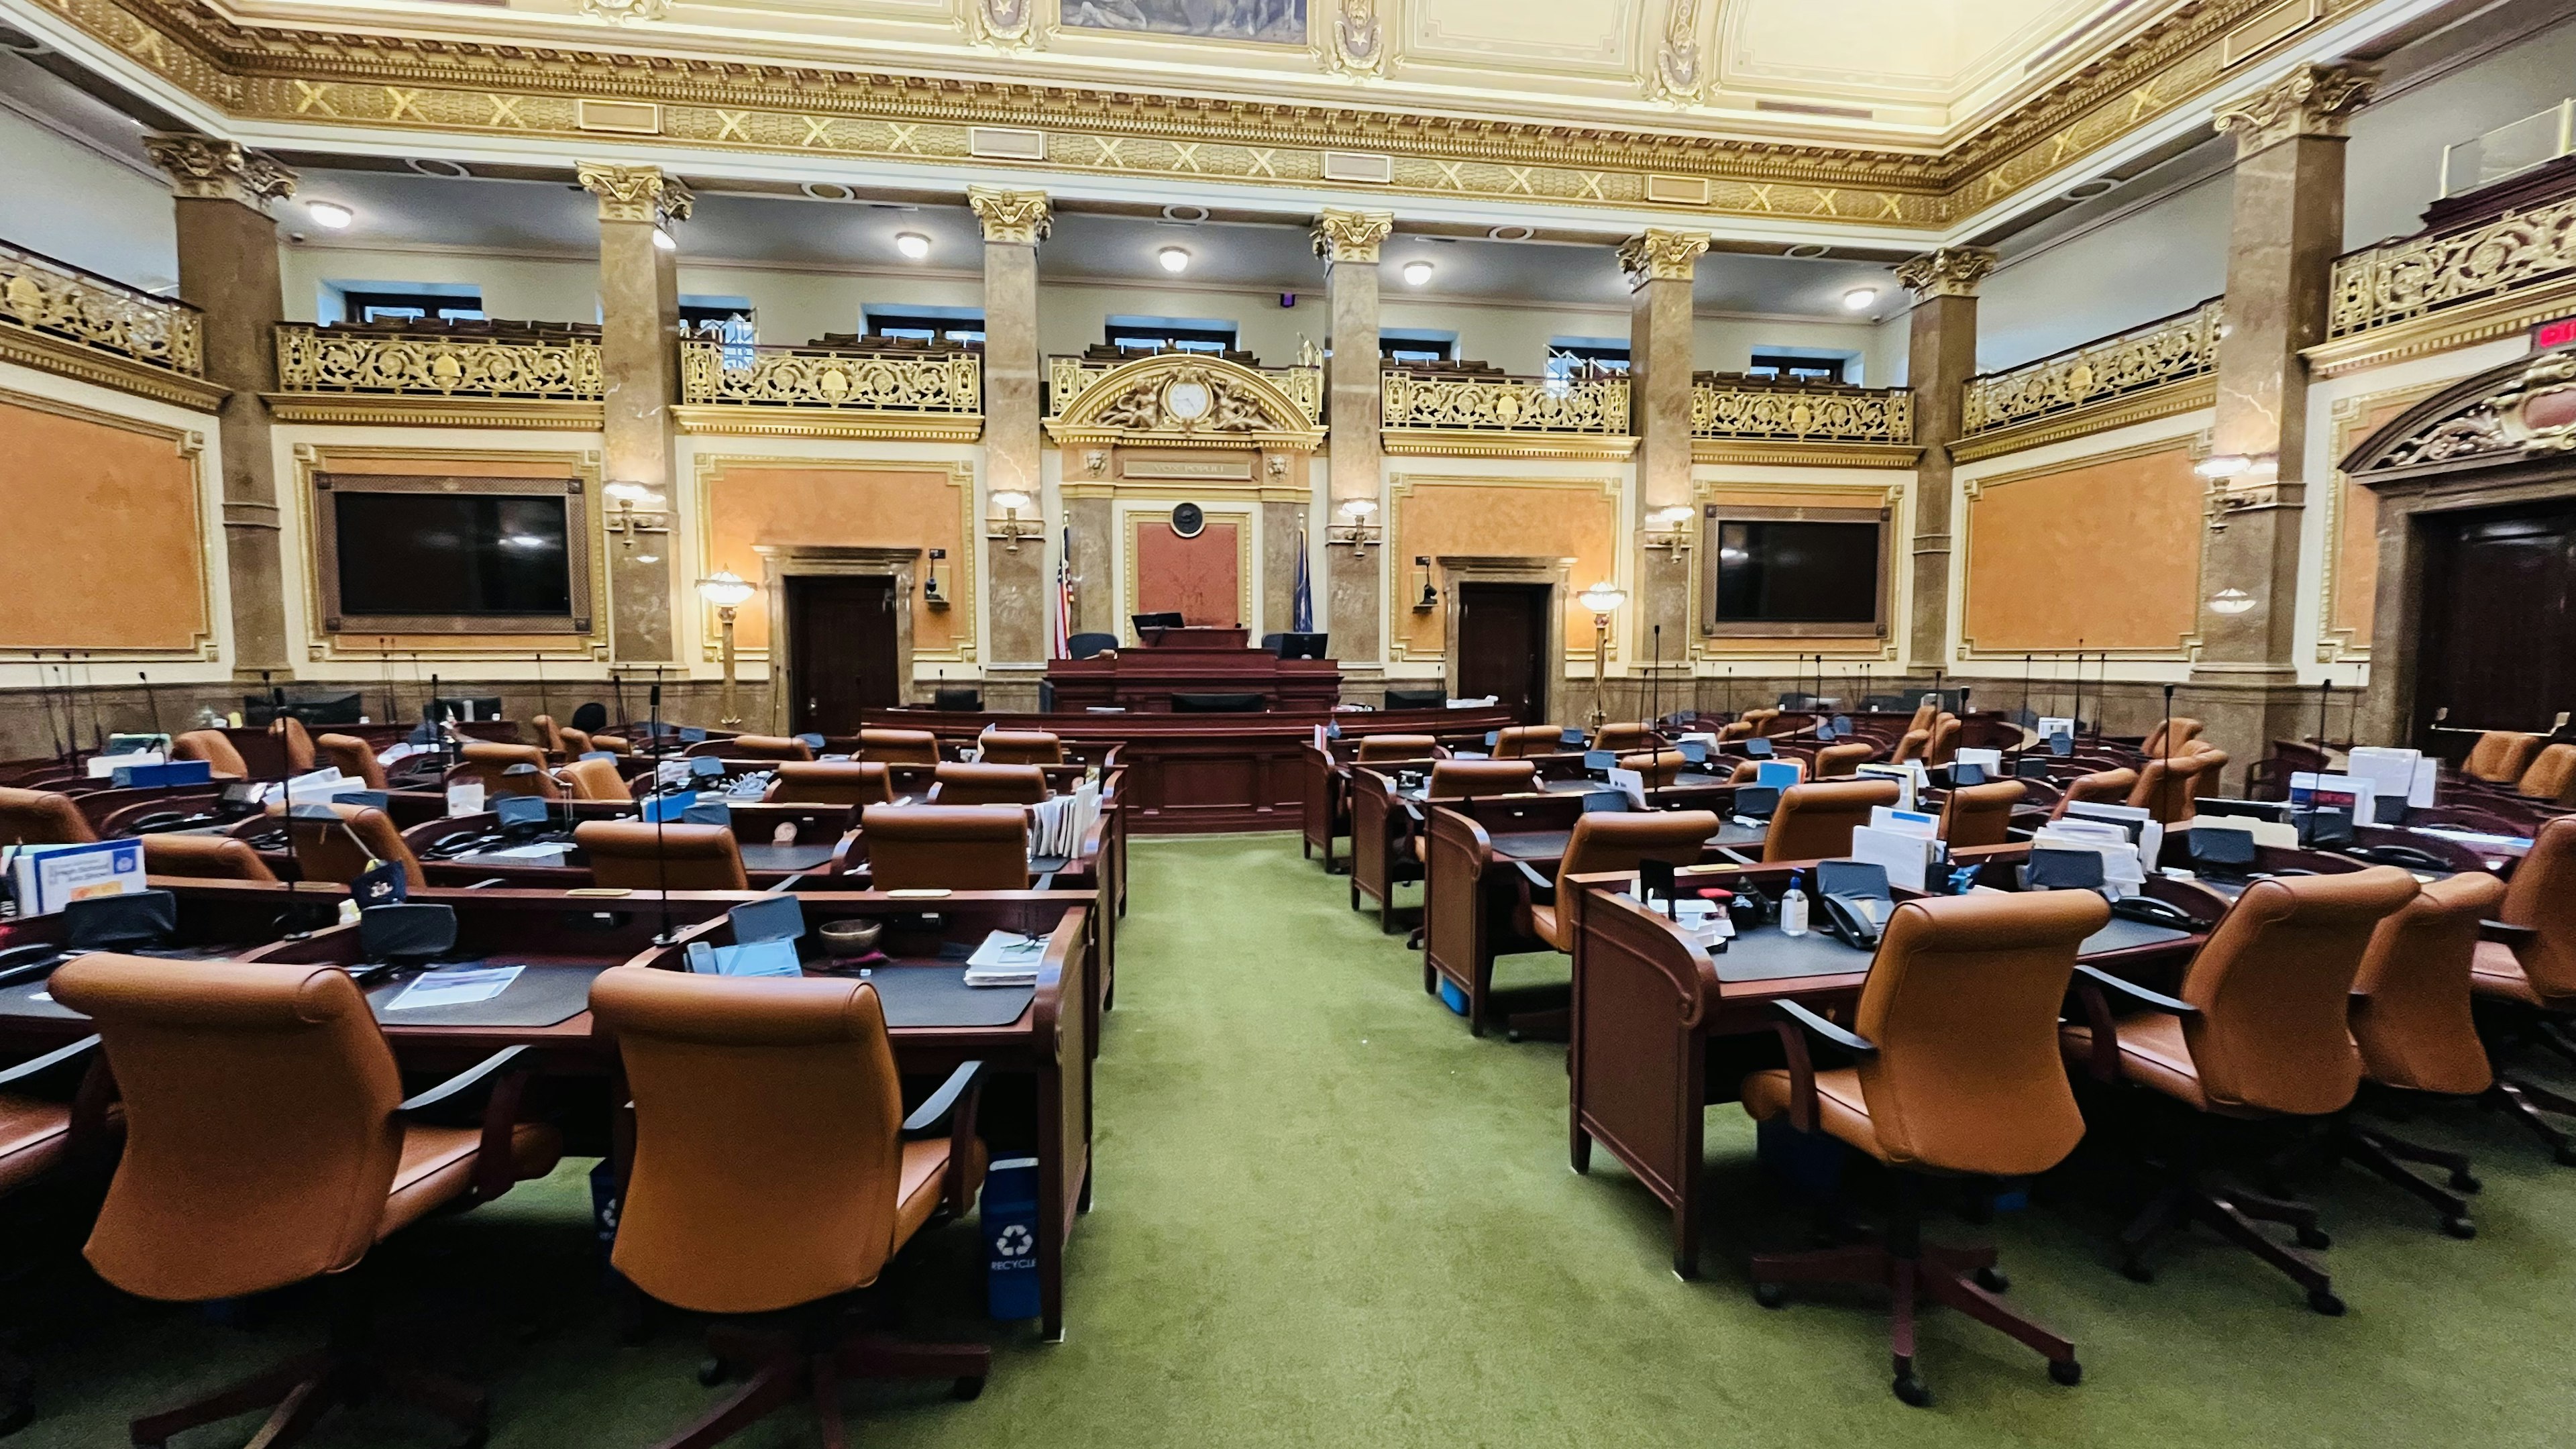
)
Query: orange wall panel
[
  {"x": 1200, "y": 577},
  {"x": 1574, "y": 519},
  {"x": 104, "y": 546},
  {"x": 2106, "y": 553},
  {"x": 877, "y": 507}
]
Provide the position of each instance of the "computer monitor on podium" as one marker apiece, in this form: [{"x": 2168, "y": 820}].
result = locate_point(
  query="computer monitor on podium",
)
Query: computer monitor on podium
[
  {"x": 1303, "y": 646},
  {"x": 1143, "y": 622}
]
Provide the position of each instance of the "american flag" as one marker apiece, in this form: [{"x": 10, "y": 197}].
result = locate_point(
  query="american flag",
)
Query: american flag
[{"x": 1060, "y": 630}]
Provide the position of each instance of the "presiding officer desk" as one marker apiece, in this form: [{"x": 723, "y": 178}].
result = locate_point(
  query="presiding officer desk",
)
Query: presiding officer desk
[{"x": 1192, "y": 661}]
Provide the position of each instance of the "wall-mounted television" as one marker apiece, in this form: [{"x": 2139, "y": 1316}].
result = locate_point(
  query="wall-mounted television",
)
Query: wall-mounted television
[
  {"x": 450, "y": 555},
  {"x": 1795, "y": 572}
]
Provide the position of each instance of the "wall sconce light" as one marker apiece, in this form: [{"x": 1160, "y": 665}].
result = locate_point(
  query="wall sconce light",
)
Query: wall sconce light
[
  {"x": 2231, "y": 601},
  {"x": 1010, "y": 527},
  {"x": 930, "y": 583},
  {"x": 638, "y": 511},
  {"x": 726, "y": 590},
  {"x": 1430, "y": 598},
  {"x": 1670, "y": 528},
  {"x": 2236, "y": 482},
  {"x": 1354, "y": 527}
]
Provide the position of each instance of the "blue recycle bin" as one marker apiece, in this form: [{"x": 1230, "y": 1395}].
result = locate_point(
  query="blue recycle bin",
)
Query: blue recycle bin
[
  {"x": 1452, "y": 997},
  {"x": 1009, "y": 1214}
]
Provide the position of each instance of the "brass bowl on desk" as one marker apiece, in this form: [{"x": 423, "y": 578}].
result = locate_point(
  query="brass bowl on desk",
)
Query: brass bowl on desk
[{"x": 852, "y": 938}]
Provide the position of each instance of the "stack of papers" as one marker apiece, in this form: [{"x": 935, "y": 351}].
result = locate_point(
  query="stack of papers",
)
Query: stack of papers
[
  {"x": 1903, "y": 854},
  {"x": 455, "y": 986},
  {"x": 1059, "y": 825},
  {"x": 45, "y": 878},
  {"x": 2395, "y": 773},
  {"x": 2123, "y": 874},
  {"x": 1006, "y": 959}
]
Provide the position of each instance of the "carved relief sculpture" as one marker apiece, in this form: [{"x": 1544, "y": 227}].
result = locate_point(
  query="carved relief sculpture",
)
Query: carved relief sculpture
[
  {"x": 1001, "y": 24},
  {"x": 1011, "y": 217},
  {"x": 1662, "y": 254},
  {"x": 635, "y": 193},
  {"x": 1358, "y": 43},
  {"x": 1351, "y": 236},
  {"x": 1948, "y": 272},
  {"x": 201, "y": 166},
  {"x": 1677, "y": 68},
  {"x": 2313, "y": 100}
]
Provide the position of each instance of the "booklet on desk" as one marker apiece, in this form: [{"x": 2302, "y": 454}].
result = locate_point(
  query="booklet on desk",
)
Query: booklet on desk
[
  {"x": 1006, "y": 958},
  {"x": 773, "y": 957},
  {"x": 46, "y": 878},
  {"x": 1906, "y": 857},
  {"x": 455, "y": 986}
]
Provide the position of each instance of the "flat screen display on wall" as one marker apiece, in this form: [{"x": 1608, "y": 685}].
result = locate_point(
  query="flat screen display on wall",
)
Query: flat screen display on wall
[
  {"x": 1797, "y": 573},
  {"x": 493, "y": 555}
]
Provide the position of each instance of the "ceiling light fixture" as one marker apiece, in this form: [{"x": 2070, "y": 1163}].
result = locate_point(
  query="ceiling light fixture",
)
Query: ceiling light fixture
[
  {"x": 1173, "y": 259},
  {"x": 329, "y": 213},
  {"x": 1512, "y": 232},
  {"x": 1416, "y": 273},
  {"x": 1185, "y": 212},
  {"x": 912, "y": 244},
  {"x": 664, "y": 240},
  {"x": 1804, "y": 250},
  {"x": 1858, "y": 299}
]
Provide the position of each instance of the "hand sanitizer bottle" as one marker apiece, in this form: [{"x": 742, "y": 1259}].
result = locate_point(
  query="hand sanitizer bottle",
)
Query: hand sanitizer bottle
[{"x": 1793, "y": 907}]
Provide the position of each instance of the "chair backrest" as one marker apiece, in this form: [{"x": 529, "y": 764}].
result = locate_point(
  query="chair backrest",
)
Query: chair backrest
[
  {"x": 291, "y": 737},
  {"x": 549, "y": 734},
  {"x": 637, "y": 855},
  {"x": 1945, "y": 741},
  {"x": 2500, "y": 756},
  {"x": 1746, "y": 772},
  {"x": 490, "y": 762},
  {"x": 1926, "y": 714},
  {"x": 260, "y": 1135},
  {"x": 765, "y": 747},
  {"x": 1520, "y": 740},
  {"x": 2166, "y": 788},
  {"x": 899, "y": 747},
  {"x": 1624, "y": 737},
  {"x": 611, "y": 744},
  {"x": 1607, "y": 842},
  {"x": 42, "y": 817},
  {"x": 597, "y": 780},
  {"x": 203, "y": 857},
  {"x": 950, "y": 847},
  {"x": 2542, "y": 896},
  {"x": 2109, "y": 787},
  {"x": 1962, "y": 1002},
  {"x": 958, "y": 784},
  {"x": 1734, "y": 730},
  {"x": 768, "y": 1137},
  {"x": 2551, "y": 778},
  {"x": 1815, "y": 822},
  {"x": 1396, "y": 747},
  {"x": 350, "y": 756},
  {"x": 2410, "y": 999},
  {"x": 831, "y": 782},
  {"x": 1764, "y": 721},
  {"x": 1087, "y": 645},
  {"x": 1979, "y": 814},
  {"x": 2161, "y": 741},
  {"x": 590, "y": 718},
  {"x": 339, "y": 849},
  {"x": 1911, "y": 746},
  {"x": 1466, "y": 779},
  {"x": 212, "y": 746},
  {"x": 1021, "y": 747},
  {"x": 1841, "y": 762},
  {"x": 575, "y": 742},
  {"x": 1658, "y": 767},
  {"x": 2274, "y": 1030}
]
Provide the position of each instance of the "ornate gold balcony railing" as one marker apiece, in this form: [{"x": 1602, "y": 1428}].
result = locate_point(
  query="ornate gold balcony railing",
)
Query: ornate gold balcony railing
[
  {"x": 2400, "y": 280},
  {"x": 61, "y": 300},
  {"x": 2171, "y": 350},
  {"x": 1802, "y": 415},
  {"x": 322, "y": 360},
  {"x": 950, "y": 383},
  {"x": 1070, "y": 377},
  {"x": 1596, "y": 406}
]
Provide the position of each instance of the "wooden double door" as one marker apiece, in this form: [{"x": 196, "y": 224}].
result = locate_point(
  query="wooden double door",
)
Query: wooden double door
[
  {"x": 2497, "y": 648},
  {"x": 1502, "y": 646},
  {"x": 844, "y": 650}
]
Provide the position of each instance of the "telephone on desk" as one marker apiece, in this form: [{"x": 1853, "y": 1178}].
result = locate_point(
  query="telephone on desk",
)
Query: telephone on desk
[
  {"x": 2147, "y": 910},
  {"x": 1856, "y": 901},
  {"x": 2404, "y": 857}
]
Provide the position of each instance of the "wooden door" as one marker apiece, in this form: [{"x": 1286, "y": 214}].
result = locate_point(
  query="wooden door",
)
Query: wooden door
[
  {"x": 2498, "y": 645},
  {"x": 1502, "y": 647},
  {"x": 844, "y": 641}
]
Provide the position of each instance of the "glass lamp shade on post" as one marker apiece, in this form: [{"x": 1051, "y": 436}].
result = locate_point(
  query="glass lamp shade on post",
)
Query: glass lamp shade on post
[
  {"x": 727, "y": 592},
  {"x": 1601, "y": 599}
]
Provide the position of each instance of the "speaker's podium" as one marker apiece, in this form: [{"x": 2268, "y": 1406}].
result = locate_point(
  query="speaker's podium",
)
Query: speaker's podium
[{"x": 1198, "y": 669}]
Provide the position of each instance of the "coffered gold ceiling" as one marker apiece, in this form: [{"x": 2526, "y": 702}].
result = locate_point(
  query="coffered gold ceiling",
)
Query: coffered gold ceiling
[{"x": 1892, "y": 115}]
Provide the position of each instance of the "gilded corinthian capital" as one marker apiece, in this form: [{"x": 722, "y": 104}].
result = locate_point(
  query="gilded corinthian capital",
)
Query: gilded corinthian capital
[
  {"x": 1948, "y": 272},
  {"x": 2313, "y": 100},
  {"x": 1351, "y": 236},
  {"x": 636, "y": 193},
  {"x": 202, "y": 166},
  {"x": 1018, "y": 218},
  {"x": 1661, "y": 254}
]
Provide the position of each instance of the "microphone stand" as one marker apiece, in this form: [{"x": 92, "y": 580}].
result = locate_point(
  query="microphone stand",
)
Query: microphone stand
[
  {"x": 661, "y": 818},
  {"x": 151, "y": 700},
  {"x": 1654, "y": 686},
  {"x": 2021, "y": 742}
]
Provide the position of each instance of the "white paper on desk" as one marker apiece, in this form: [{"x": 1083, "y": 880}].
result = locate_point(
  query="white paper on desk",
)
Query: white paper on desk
[
  {"x": 1905, "y": 857},
  {"x": 1631, "y": 783},
  {"x": 1993, "y": 760},
  {"x": 2133, "y": 821},
  {"x": 1904, "y": 822},
  {"x": 313, "y": 787},
  {"x": 2052, "y": 725},
  {"x": 455, "y": 986},
  {"x": 1319, "y": 741},
  {"x": 395, "y": 754},
  {"x": 2265, "y": 832},
  {"x": 1903, "y": 777},
  {"x": 2419, "y": 790},
  {"x": 2391, "y": 772},
  {"x": 553, "y": 850},
  {"x": 2122, "y": 873},
  {"x": 1472, "y": 703},
  {"x": 1469, "y": 755},
  {"x": 671, "y": 772},
  {"x": 465, "y": 797},
  {"x": 1006, "y": 958}
]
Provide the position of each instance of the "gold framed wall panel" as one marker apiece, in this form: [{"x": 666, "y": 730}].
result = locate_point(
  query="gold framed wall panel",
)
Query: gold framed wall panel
[
  {"x": 189, "y": 445},
  {"x": 1823, "y": 493},
  {"x": 1403, "y": 489},
  {"x": 962, "y": 583},
  {"x": 1246, "y": 518},
  {"x": 2353, "y": 418},
  {"x": 2187, "y": 642}
]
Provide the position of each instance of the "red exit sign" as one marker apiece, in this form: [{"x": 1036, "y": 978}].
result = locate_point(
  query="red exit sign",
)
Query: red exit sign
[{"x": 2553, "y": 334}]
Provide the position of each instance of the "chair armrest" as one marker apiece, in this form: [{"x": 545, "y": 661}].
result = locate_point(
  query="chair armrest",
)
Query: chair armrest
[
  {"x": 463, "y": 1082},
  {"x": 1737, "y": 856},
  {"x": 2509, "y": 935},
  {"x": 38, "y": 1066},
  {"x": 2154, "y": 1000},
  {"x": 957, "y": 1100},
  {"x": 495, "y": 1164},
  {"x": 1793, "y": 1026},
  {"x": 26, "y": 963},
  {"x": 784, "y": 886},
  {"x": 1850, "y": 1041},
  {"x": 931, "y": 1116},
  {"x": 1535, "y": 889}
]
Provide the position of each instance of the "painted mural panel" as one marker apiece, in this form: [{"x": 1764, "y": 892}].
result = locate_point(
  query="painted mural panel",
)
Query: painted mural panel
[{"x": 1280, "y": 22}]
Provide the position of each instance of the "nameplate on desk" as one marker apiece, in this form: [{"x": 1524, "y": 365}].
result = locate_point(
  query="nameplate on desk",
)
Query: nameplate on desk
[{"x": 1228, "y": 469}]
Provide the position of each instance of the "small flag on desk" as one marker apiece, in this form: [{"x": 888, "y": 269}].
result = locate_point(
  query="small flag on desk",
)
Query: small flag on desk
[
  {"x": 1301, "y": 611},
  {"x": 1060, "y": 632}
]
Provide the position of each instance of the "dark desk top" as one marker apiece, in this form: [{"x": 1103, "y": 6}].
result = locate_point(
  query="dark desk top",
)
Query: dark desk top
[
  {"x": 1551, "y": 844},
  {"x": 760, "y": 856},
  {"x": 1767, "y": 954}
]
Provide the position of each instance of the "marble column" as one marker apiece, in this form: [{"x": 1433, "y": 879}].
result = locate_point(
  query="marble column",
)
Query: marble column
[
  {"x": 1941, "y": 356},
  {"x": 1660, "y": 264},
  {"x": 1015, "y": 583},
  {"x": 1354, "y": 610},
  {"x": 639, "y": 356},
  {"x": 228, "y": 267}
]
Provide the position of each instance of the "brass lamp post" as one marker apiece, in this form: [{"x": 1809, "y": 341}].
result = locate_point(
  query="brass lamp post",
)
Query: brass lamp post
[
  {"x": 727, "y": 592},
  {"x": 1601, "y": 598}
]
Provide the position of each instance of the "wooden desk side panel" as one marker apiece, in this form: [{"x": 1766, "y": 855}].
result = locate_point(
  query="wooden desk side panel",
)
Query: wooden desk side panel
[
  {"x": 1453, "y": 910},
  {"x": 1637, "y": 1081}
]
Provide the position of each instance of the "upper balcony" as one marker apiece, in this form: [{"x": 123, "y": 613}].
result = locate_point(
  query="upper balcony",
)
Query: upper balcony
[
  {"x": 2165, "y": 367},
  {"x": 487, "y": 373},
  {"x": 841, "y": 385},
  {"x": 1470, "y": 410},
  {"x": 1738, "y": 418},
  {"x": 59, "y": 318}
]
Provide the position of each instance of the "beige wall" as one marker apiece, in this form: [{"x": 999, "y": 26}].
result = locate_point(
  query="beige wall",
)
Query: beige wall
[
  {"x": 2094, "y": 553},
  {"x": 520, "y": 288}
]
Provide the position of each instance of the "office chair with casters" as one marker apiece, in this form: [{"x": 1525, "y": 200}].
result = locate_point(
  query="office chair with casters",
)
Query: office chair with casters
[
  {"x": 956, "y": 784},
  {"x": 1944, "y": 744},
  {"x": 638, "y": 855},
  {"x": 1375, "y": 749},
  {"x": 1764, "y": 721},
  {"x": 2261, "y": 1031},
  {"x": 2411, "y": 1017},
  {"x": 1523, "y": 740},
  {"x": 764, "y": 747},
  {"x": 1841, "y": 762},
  {"x": 611, "y": 745},
  {"x": 41, "y": 1135},
  {"x": 1815, "y": 822},
  {"x": 491, "y": 764},
  {"x": 342, "y": 848},
  {"x": 294, "y": 741},
  {"x": 42, "y": 817},
  {"x": 203, "y": 857},
  {"x": 831, "y": 782},
  {"x": 2102, "y": 787},
  {"x": 1955, "y": 1074},
  {"x": 946, "y": 847},
  {"x": 1087, "y": 646},
  {"x": 268, "y": 1143},
  {"x": 215, "y": 748},
  {"x": 899, "y": 747},
  {"x": 350, "y": 756},
  {"x": 2500, "y": 756},
  {"x": 2524, "y": 973},
  {"x": 1021, "y": 747},
  {"x": 1980, "y": 814},
  {"x": 1658, "y": 768},
  {"x": 1734, "y": 730},
  {"x": 1618, "y": 738},
  {"x": 801, "y": 1217},
  {"x": 1602, "y": 844},
  {"x": 597, "y": 780}
]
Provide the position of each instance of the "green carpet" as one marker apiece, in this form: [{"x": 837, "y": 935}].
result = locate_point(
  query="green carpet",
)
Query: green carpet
[{"x": 1325, "y": 1215}]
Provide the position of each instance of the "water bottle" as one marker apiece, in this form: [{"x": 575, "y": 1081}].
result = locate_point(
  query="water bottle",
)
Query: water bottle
[{"x": 1793, "y": 906}]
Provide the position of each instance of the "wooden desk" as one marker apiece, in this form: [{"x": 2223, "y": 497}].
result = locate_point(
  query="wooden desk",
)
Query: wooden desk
[{"x": 1193, "y": 661}]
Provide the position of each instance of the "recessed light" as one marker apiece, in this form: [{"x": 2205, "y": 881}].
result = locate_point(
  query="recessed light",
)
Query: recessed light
[
  {"x": 2087, "y": 190},
  {"x": 433, "y": 166},
  {"x": 1185, "y": 211},
  {"x": 1416, "y": 273},
  {"x": 827, "y": 191},
  {"x": 329, "y": 213},
  {"x": 1858, "y": 299},
  {"x": 1174, "y": 259},
  {"x": 1513, "y": 232},
  {"x": 1804, "y": 250},
  {"x": 912, "y": 244},
  {"x": 664, "y": 240}
]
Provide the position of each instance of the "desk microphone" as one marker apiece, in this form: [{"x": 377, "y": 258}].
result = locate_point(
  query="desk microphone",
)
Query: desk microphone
[
  {"x": 661, "y": 818},
  {"x": 150, "y": 700}
]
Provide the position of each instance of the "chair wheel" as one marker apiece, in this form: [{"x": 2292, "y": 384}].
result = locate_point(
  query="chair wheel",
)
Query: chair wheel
[
  {"x": 1993, "y": 1280},
  {"x": 2065, "y": 1371},
  {"x": 2136, "y": 1271},
  {"x": 1770, "y": 1295},
  {"x": 967, "y": 1389},
  {"x": 712, "y": 1372},
  {"x": 1912, "y": 1391},
  {"x": 2460, "y": 1228},
  {"x": 2315, "y": 1238},
  {"x": 2566, "y": 1156},
  {"x": 2466, "y": 1182},
  {"x": 2324, "y": 1301},
  {"x": 16, "y": 1417}
]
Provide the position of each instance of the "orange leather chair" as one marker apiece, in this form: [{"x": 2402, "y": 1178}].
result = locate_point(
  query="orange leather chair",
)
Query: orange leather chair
[
  {"x": 1520, "y": 741},
  {"x": 2261, "y": 1030},
  {"x": 549, "y": 734},
  {"x": 212, "y": 746},
  {"x": 38, "y": 1135},
  {"x": 2160, "y": 741},
  {"x": 1606, "y": 844},
  {"x": 42, "y": 817},
  {"x": 292, "y": 738},
  {"x": 1762, "y": 720},
  {"x": 831, "y": 782},
  {"x": 1955, "y": 1074},
  {"x": 796, "y": 1215},
  {"x": 267, "y": 1143},
  {"x": 2167, "y": 788},
  {"x": 1660, "y": 767},
  {"x": 759, "y": 747},
  {"x": 1944, "y": 744},
  {"x": 203, "y": 857},
  {"x": 945, "y": 847},
  {"x": 1815, "y": 822},
  {"x": 956, "y": 784},
  {"x": 1913, "y": 745},
  {"x": 2107, "y": 787},
  {"x": 1748, "y": 771},
  {"x": 1377, "y": 748},
  {"x": 1623, "y": 738},
  {"x": 2551, "y": 778},
  {"x": 490, "y": 763},
  {"x": 1734, "y": 730},
  {"x": 596, "y": 780},
  {"x": 1021, "y": 747},
  {"x": 350, "y": 756},
  {"x": 1841, "y": 762},
  {"x": 611, "y": 744},
  {"x": 637, "y": 856},
  {"x": 1980, "y": 814},
  {"x": 1467, "y": 779},
  {"x": 2500, "y": 756},
  {"x": 575, "y": 742},
  {"x": 899, "y": 747},
  {"x": 339, "y": 849},
  {"x": 2525, "y": 966},
  {"x": 1927, "y": 712}
]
